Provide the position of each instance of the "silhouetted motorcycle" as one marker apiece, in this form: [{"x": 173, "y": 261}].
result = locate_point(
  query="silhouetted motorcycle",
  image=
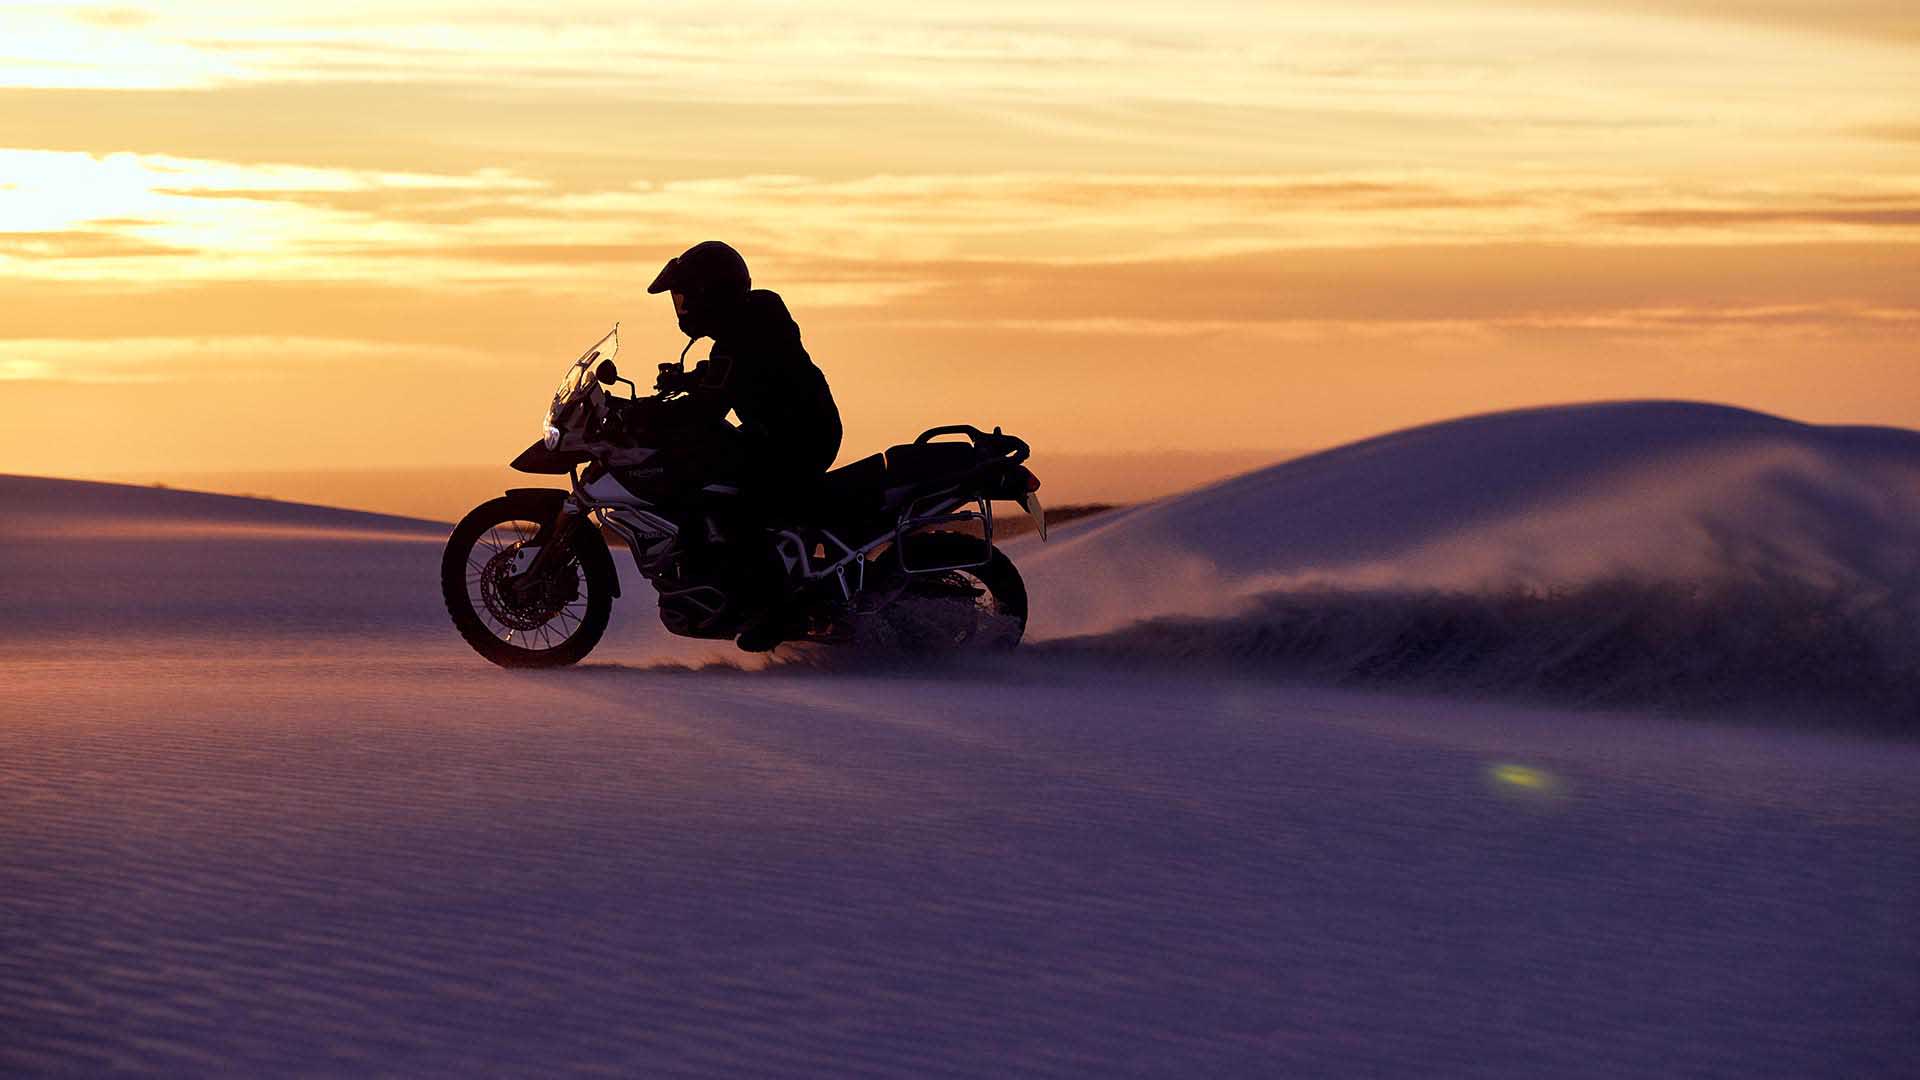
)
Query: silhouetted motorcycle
[{"x": 897, "y": 545}]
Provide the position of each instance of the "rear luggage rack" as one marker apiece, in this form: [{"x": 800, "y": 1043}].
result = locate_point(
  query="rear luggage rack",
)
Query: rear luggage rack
[
  {"x": 997, "y": 450},
  {"x": 995, "y": 443},
  {"x": 958, "y": 475}
]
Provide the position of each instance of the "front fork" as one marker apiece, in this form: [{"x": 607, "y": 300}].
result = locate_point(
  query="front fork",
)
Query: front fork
[{"x": 530, "y": 570}]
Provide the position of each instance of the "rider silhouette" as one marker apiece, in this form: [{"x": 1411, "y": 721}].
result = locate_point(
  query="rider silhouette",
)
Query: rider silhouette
[
  {"x": 789, "y": 430},
  {"x": 789, "y": 427}
]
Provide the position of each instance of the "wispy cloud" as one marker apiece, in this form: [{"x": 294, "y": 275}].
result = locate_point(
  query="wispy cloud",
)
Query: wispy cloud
[
  {"x": 210, "y": 218},
  {"x": 1899, "y": 133},
  {"x": 241, "y": 358},
  {"x": 70, "y": 216},
  {"x": 1534, "y": 62},
  {"x": 81, "y": 244},
  {"x": 1889, "y": 23},
  {"x": 1665, "y": 323},
  {"x": 1892, "y": 216},
  {"x": 1435, "y": 204}
]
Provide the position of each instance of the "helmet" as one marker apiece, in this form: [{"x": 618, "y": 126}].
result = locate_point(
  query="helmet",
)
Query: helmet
[{"x": 714, "y": 280}]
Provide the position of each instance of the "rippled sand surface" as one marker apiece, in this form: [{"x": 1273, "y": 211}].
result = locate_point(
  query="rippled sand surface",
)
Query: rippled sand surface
[
  {"x": 414, "y": 863},
  {"x": 261, "y": 813}
]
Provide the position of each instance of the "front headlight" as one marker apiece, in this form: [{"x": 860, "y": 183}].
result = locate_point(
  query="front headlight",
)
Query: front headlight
[{"x": 549, "y": 435}]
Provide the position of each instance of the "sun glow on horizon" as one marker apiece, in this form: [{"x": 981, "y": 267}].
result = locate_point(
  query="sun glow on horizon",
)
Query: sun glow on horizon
[{"x": 1018, "y": 214}]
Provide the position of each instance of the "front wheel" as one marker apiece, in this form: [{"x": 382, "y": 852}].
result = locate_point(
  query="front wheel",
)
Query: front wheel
[{"x": 512, "y": 622}]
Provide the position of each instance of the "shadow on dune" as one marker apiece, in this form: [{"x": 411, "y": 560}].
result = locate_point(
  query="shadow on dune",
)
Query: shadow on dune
[
  {"x": 1825, "y": 655},
  {"x": 1762, "y": 649},
  {"x": 1624, "y": 554},
  {"x": 715, "y": 666},
  {"x": 1817, "y": 618},
  {"x": 1669, "y": 554}
]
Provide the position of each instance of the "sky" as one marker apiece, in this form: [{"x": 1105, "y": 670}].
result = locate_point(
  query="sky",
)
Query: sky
[{"x": 298, "y": 236}]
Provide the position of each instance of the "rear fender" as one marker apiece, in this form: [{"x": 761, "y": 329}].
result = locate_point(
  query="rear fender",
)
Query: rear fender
[
  {"x": 1010, "y": 483},
  {"x": 1016, "y": 483}
]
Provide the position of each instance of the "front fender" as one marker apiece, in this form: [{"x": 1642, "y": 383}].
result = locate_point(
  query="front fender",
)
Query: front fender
[
  {"x": 587, "y": 541},
  {"x": 538, "y": 459}
]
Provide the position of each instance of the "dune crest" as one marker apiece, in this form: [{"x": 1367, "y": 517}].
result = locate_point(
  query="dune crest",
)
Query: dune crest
[
  {"x": 1630, "y": 553},
  {"x": 1640, "y": 552},
  {"x": 1658, "y": 491}
]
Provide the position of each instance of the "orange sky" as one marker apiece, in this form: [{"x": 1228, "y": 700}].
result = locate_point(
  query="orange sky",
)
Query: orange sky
[{"x": 294, "y": 236}]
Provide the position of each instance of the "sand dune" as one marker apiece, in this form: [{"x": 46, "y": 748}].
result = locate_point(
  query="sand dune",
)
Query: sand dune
[
  {"x": 100, "y": 567},
  {"x": 36, "y": 503},
  {"x": 1657, "y": 491},
  {"x": 1646, "y": 553},
  {"x": 265, "y": 814}
]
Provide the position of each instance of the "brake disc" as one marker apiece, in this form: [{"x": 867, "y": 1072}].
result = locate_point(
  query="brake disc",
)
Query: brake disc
[{"x": 559, "y": 589}]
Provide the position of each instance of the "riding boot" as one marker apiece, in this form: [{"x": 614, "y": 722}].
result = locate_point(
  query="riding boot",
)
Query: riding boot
[{"x": 780, "y": 617}]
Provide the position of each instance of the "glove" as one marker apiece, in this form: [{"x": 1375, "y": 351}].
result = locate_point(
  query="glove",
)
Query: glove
[{"x": 672, "y": 378}]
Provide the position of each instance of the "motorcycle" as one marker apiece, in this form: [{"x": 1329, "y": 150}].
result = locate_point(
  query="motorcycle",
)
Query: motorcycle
[{"x": 897, "y": 545}]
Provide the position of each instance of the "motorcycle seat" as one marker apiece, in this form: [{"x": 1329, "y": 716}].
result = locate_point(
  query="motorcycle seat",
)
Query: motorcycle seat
[
  {"x": 920, "y": 463},
  {"x": 876, "y": 483},
  {"x": 855, "y": 480}
]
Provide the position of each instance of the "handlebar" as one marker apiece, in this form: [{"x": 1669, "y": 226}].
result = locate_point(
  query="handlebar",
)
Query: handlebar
[{"x": 673, "y": 378}]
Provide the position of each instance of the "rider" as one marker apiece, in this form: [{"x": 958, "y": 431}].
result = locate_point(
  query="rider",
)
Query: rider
[
  {"x": 789, "y": 426},
  {"x": 789, "y": 430}
]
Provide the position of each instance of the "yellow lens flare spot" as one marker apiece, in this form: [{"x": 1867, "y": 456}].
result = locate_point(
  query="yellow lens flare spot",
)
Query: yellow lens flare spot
[{"x": 1522, "y": 779}]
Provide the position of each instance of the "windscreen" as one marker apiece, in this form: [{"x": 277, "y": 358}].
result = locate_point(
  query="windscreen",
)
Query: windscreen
[{"x": 580, "y": 375}]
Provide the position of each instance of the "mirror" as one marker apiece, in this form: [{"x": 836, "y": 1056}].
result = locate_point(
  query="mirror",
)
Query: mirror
[{"x": 608, "y": 374}]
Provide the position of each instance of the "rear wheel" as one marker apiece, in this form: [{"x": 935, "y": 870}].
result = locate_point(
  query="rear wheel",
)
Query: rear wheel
[
  {"x": 512, "y": 622},
  {"x": 975, "y": 608}
]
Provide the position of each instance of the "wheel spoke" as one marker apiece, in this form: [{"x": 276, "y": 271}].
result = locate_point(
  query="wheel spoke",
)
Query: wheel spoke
[{"x": 536, "y": 623}]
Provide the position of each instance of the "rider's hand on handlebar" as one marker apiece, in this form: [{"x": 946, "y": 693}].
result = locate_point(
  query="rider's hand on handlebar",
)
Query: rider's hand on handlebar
[{"x": 672, "y": 377}]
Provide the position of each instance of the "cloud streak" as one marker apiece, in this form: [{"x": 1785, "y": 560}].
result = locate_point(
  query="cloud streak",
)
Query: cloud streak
[
  {"x": 71, "y": 216},
  {"x": 1887, "y": 217},
  {"x": 231, "y": 358},
  {"x": 1353, "y": 217}
]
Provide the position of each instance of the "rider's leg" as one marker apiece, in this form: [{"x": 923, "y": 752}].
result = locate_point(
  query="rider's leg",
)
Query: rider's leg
[{"x": 773, "y": 488}]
